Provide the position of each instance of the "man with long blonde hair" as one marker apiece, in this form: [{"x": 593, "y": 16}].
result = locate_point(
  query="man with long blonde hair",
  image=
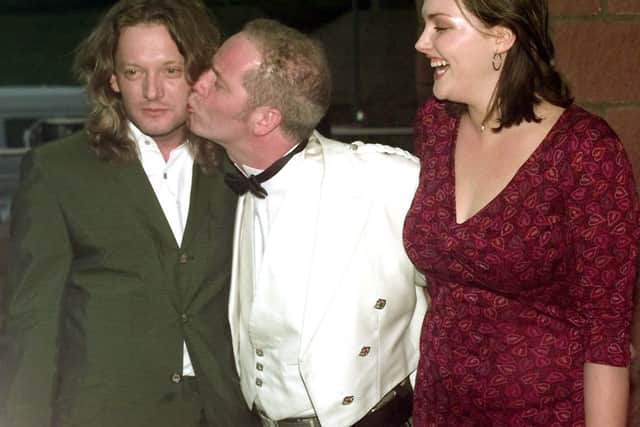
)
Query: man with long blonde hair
[{"x": 121, "y": 242}]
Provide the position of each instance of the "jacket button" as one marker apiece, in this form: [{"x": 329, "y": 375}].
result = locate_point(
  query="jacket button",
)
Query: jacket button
[
  {"x": 176, "y": 378},
  {"x": 184, "y": 258},
  {"x": 364, "y": 351},
  {"x": 259, "y": 366},
  {"x": 259, "y": 382},
  {"x": 259, "y": 352},
  {"x": 184, "y": 317},
  {"x": 348, "y": 400},
  {"x": 380, "y": 304}
]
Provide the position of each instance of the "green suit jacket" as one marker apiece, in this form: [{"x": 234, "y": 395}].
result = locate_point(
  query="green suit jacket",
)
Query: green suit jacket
[{"x": 101, "y": 298}]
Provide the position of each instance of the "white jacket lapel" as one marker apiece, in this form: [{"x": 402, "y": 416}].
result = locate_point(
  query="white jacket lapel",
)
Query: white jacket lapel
[
  {"x": 241, "y": 269},
  {"x": 342, "y": 215}
]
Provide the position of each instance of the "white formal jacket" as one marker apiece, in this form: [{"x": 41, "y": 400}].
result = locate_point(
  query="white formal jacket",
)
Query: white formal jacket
[{"x": 363, "y": 310}]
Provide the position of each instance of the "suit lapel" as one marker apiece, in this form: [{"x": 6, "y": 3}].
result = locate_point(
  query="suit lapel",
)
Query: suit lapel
[
  {"x": 198, "y": 205},
  {"x": 342, "y": 214},
  {"x": 234, "y": 309},
  {"x": 211, "y": 212},
  {"x": 211, "y": 202},
  {"x": 141, "y": 196}
]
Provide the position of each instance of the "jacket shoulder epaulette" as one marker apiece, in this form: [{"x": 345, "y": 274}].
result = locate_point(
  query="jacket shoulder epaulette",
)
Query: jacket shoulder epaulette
[{"x": 364, "y": 148}]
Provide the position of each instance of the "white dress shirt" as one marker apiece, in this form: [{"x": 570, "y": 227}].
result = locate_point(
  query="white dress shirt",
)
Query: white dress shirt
[
  {"x": 171, "y": 183},
  {"x": 275, "y": 315}
]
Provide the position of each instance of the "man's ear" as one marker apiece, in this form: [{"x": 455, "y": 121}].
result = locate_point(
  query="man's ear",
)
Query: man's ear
[
  {"x": 113, "y": 82},
  {"x": 264, "y": 120},
  {"x": 504, "y": 38}
]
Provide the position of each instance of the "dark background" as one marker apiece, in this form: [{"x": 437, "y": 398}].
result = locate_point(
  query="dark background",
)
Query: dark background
[
  {"x": 376, "y": 78},
  {"x": 41, "y": 35}
]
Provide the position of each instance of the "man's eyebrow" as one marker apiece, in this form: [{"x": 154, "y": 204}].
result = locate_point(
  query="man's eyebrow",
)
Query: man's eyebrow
[{"x": 219, "y": 76}]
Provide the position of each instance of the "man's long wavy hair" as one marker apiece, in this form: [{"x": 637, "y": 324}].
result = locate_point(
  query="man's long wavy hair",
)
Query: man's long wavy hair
[
  {"x": 528, "y": 73},
  {"x": 197, "y": 38}
]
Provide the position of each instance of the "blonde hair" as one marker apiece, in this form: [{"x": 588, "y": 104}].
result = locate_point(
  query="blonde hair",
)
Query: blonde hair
[{"x": 294, "y": 76}]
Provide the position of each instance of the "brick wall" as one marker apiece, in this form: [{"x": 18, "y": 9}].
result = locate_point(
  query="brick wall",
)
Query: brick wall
[{"x": 598, "y": 49}]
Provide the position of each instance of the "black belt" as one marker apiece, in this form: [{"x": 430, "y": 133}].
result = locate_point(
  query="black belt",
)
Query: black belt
[{"x": 393, "y": 410}]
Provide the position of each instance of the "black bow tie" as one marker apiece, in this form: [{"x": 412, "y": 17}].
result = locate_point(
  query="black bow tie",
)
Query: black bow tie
[{"x": 240, "y": 183}]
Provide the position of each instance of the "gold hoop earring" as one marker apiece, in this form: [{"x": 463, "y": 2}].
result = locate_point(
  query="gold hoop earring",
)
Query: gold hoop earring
[{"x": 496, "y": 62}]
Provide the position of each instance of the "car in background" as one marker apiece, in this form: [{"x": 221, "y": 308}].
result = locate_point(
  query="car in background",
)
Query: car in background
[{"x": 30, "y": 116}]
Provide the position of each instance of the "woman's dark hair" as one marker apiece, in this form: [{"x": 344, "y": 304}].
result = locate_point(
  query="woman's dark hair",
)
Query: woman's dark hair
[{"x": 528, "y": 73}]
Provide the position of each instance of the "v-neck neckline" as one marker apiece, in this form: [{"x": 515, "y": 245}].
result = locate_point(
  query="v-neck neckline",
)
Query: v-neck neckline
[{"x": 519, "y": 171}]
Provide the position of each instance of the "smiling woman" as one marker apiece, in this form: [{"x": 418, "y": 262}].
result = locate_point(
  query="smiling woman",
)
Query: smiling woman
[{"x": 526, "y": 224}]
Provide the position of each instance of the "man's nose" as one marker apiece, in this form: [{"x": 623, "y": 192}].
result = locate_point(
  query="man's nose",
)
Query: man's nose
[{"x": 153, "y": 87}]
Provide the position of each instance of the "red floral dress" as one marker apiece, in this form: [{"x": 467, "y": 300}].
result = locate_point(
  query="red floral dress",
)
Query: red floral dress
[{"x": 530, "y": 288}]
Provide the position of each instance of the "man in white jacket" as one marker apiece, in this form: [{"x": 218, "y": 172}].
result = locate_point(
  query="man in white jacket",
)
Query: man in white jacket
[{"x": 324, "y": 309}]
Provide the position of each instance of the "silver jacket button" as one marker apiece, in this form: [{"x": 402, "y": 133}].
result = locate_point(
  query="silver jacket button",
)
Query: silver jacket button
[
  {"x": 348, "y": 400},
  {"x": 380, "y": 304}
]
